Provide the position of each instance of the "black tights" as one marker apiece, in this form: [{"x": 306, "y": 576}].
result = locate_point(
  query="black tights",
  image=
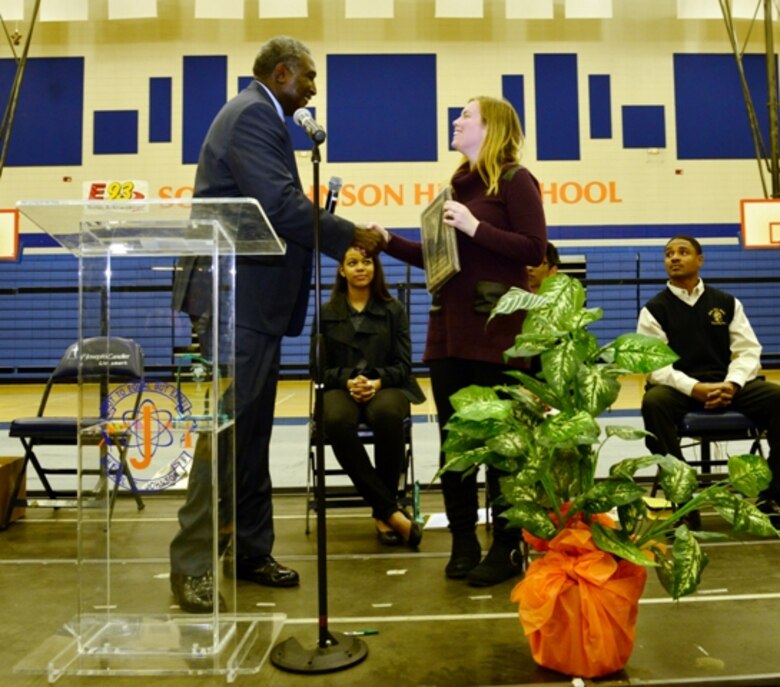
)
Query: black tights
[
  {"x": 461, "y": 502},
  {"x": 385, "y": 413}
]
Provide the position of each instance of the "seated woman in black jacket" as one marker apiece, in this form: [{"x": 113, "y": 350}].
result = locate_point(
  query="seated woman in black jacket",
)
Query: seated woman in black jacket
[{"x": 367, "y": 378}]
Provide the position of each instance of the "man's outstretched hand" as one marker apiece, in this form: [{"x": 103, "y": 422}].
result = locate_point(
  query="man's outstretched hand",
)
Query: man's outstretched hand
[{"x": 371, "y": 241}]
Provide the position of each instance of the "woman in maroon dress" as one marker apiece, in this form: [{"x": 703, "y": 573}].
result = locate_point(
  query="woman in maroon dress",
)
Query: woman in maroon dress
[{"x": 496, "y": 208}]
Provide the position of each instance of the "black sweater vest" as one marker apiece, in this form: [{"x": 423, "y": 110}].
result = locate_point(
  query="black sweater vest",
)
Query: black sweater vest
[{"x": 698, "y": 334}]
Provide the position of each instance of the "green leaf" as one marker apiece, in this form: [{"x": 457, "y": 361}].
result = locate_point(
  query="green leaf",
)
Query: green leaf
[
  {"x": 512, "y": 444},
  {"x": 596, "y": 391},
  {"x": 532, "y": 517},
  {"x": 631, "y": 515},
  {"x": 677, "y": 479},
  {"x": 749, "y": 474},
  {"x": 587, "y": 317},
  {"x": 498, "y": 410},
  {"x": 520, "y": 487},
  {"x": 565, "y": 470},
  {"x": 742, "y": 515},
  {"x": 472, "y": 394},
  {"x": 613, "y": 491},
  {"x": 618, "y": 543},
  {"x": 456, "y": 442},
  {"x": 641, "y": 353},
  {"x": 628, "y": 467},
  {"x": 543, "y": 391},
  {"x": 459, "y": 462},
  {"x": 530, "y": 344},
  {"x": 517, "y": 299},
  {"x": 566, "y": 296},
  {"x": 626, "y": 433},
  {"x": 560, "y": 365},
  {"x": 524, "y": 401},
  {"x": 568, "y": 431},
  {"x": 680, "y": 569}
]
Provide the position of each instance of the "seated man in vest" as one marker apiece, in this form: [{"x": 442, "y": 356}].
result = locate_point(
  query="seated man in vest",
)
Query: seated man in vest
[{"x": 720, "y": 358}]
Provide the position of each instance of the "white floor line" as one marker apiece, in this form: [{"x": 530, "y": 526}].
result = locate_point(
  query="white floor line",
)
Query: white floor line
[{"x": 506, "y": 616}]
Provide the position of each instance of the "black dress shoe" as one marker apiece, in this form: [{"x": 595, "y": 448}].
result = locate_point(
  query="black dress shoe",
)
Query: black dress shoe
[
  {"x": 195, "y": 594},
  {"x": 501, "y": 563},
  {"x": 466, "y": 552},
  {"x": 267, "y": 572},
  {"x": 388, "y": 537}
]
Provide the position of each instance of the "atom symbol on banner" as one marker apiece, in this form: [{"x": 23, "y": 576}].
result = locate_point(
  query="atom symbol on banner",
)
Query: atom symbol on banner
[{"x": 151, "y": 424}]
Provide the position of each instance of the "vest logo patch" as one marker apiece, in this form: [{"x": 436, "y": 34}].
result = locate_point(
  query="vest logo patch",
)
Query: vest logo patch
[{"x": 717, "y": 316}]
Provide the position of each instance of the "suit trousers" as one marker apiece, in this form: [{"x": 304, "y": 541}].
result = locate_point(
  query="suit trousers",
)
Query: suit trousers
[
  {"x": 461, "y": 500},
  {"x": 385, "y": 414},
  {"x": 663, "y": 407},
  {"x": 255, "y": 381}
]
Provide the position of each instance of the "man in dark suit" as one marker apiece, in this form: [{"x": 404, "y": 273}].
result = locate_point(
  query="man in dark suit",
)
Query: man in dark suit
[{"x": 248, "y": 153}]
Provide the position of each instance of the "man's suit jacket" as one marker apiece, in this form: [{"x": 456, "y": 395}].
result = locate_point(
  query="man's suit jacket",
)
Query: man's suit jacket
[{"x": 248, "y": 153}]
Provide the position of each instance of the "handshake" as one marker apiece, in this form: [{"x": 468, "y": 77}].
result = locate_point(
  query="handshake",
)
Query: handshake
[{"x": 371, "y": 238}]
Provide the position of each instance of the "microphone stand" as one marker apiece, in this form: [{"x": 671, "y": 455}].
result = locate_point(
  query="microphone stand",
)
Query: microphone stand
[{"x": 334, "y": 650}]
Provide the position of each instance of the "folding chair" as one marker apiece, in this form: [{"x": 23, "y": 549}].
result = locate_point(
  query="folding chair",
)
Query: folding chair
[
  {"x": 707, "y": 427},
  {"x": 347, "y": 496},
  {"x": 100, "y": 361}
]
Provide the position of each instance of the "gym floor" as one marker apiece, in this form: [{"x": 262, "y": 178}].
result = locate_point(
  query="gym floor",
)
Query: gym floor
[{"x": 430, "y": 630}]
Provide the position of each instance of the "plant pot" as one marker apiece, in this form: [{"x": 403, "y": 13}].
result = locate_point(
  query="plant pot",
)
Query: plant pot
[{"x": 578, "y": 606}]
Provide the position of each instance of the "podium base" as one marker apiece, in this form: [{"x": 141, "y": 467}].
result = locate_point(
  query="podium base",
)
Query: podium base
[
  {"x": 154, "y": 645},
  {"x": 343, "y": 652}
]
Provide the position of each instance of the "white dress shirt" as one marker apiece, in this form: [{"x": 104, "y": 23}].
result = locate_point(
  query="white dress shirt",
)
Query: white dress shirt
[{"x": 745, "y": 348}]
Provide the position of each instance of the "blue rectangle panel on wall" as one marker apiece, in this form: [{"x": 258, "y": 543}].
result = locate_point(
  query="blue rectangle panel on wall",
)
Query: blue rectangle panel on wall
[
  {"x": 643, "y": 126},
  {"x": 115, "y": 132},
  {"x": 600, "y": 106},
  {"x": 513, "y": 90},
  {"x": 160, "y": 110},
  {"x": 204, "y": 90},
  {"x": 710, "y": 112},
  {"x": 47, "y": 129},
  {"x": 381, "y": 108},
  {"x": 557, "y": 107}
]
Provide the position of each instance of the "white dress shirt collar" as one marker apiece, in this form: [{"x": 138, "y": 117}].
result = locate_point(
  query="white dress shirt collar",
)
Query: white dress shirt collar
[
  {"x": 684, "y": 296},
  {"x": 278, "y": 107}
]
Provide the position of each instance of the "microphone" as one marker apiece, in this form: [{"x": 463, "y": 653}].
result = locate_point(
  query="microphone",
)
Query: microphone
[
  {"x": 334, "y": 186},
  {"x": 303, "y": 118}
]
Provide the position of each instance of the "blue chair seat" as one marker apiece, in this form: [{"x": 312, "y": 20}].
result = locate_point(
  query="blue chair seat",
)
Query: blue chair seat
[{"x": 717, "y": 422}]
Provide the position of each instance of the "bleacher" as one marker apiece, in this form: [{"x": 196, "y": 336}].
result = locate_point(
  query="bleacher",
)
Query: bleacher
[{"x": 39, "y": 302}]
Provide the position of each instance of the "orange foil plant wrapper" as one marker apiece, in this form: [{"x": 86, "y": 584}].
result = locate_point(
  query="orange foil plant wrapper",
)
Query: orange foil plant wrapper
[{"x": 578, "y": 604}]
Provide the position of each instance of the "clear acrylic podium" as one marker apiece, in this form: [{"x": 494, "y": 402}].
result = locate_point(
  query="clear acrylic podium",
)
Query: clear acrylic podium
[{"x": 123, "y": 622}]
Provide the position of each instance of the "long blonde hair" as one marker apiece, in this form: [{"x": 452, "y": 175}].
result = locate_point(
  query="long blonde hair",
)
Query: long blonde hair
[{"x": 503, "y": 140}]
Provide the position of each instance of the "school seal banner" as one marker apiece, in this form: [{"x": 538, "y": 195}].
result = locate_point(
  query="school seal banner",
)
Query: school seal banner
[{"x": 158, "y": 436}]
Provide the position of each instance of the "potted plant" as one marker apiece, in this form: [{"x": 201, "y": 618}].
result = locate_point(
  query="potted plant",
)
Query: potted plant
[{"x": 578, "y": 601}]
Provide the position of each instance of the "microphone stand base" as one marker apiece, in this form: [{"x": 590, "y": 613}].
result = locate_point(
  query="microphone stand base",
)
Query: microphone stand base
[{"x": 342, "y": 652}]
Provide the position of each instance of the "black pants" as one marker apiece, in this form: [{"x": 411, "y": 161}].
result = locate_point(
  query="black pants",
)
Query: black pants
[
  {"x": 385, "y": 413},
  {"x": 663, "y": 407},
  {"x": 255, "y": 381},
  {"x": 461, "y": 502}
]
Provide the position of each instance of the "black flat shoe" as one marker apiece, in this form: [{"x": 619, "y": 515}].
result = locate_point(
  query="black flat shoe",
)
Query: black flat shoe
[
  {"x": 388, "y": 537},
  {"x": 415, "y": 531}
]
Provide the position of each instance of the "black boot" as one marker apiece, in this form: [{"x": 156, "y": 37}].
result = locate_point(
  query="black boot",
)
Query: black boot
[
  {"x": 466, "y": 552},
  {"x": 502, "y": 562}
]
